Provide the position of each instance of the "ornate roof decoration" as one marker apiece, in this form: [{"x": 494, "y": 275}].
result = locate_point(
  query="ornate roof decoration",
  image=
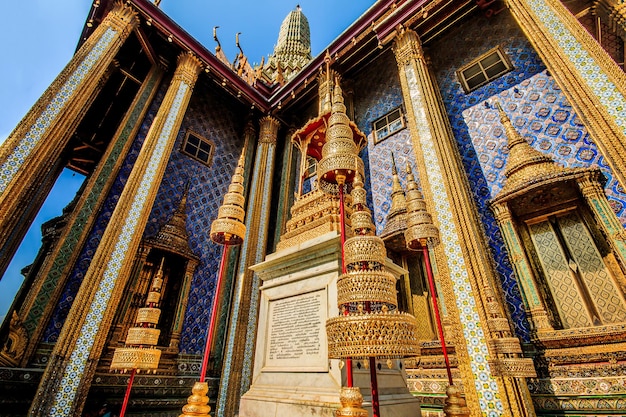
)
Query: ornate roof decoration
[
  {"x": 527, "y": 169},
  {"x": 173, "y": 236},
  {"x": 293, "y": 48},
  {"x": 393, "y": 232}
]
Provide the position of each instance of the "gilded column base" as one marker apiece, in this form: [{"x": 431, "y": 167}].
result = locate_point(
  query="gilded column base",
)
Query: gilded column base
[
  {"x": 198, "y": 402},
  {"x": 455, "y": 404},
  {"x": 351, "y": 403}
]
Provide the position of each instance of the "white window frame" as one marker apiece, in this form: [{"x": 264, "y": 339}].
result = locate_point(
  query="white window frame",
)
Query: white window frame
[{"x": 482, "y": 66}]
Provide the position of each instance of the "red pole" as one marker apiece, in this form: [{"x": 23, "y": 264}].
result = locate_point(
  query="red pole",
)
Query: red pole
[
  {"x": 209, "y": 336},
  {"x": 342, "y": 223},
  {"x": 127, "y": 394},
  {"x": 433, "y": 292},
  {"x": 373, "y": 380}
]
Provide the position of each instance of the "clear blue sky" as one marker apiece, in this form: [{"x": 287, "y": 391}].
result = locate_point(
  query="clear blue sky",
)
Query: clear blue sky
[{"x": 40, "y": 37}]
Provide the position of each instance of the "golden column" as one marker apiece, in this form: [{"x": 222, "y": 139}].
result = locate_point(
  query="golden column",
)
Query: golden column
[
  {"x": 46, "y": 290},
  {"x": 237, "y": 365},
  {"x": 41, "y": 137},
  {"x": 67, "y": 378},
  {"x": 463, "y": 263},
  {"x": 592, "y": 82}
]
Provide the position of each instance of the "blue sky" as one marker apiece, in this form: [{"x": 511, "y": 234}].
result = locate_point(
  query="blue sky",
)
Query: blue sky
[{"x": 40, "y": 37}]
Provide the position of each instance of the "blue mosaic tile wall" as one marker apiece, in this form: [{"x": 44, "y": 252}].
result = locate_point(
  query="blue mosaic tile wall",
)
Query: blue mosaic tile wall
[
  {"x": 214, "y": 118},
  {"x": 536, "y": 106},
  {"x": 53, "y": 329},
  {"x": 377, "y": 91},
  {"x": 221, "y": 121}
]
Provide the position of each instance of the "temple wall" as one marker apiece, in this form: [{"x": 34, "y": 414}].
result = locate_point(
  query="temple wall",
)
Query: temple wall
[
  {"x": 76, "y": 276},
  {"x": 213, "y": 117},
  {"x": 377, "y": 91},
  {"x": 538, "y": 109}
]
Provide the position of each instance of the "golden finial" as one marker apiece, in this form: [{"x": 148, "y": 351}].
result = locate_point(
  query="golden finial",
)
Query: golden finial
[
  {"x": 336, "y": 168},
  {"x": 138, "y": 352},
  {"x": 228, "y": 228},
  {"x": 398, "y": 200},
  {"x": 198, "y": 402},
  {"x": 420, "y": 230}
]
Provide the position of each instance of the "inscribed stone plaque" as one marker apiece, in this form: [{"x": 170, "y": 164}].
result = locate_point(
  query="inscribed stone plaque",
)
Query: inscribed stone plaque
[{"x": 296, "y": 334}]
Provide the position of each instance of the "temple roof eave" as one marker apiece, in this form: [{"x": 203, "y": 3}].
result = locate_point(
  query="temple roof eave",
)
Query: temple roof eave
[
  {"x": 382, "y": 14},
  {"x": 515, "y": 189}
]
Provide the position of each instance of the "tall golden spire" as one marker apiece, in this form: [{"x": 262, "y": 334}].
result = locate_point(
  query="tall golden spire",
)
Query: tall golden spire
[
  {"x": 340, "y": 158},
  {"x": 139, "y": 352},
  {"x": 228, "y": 228},
  {"x": 372, "y": 327},
  {"x": 420, "y": 230},
  {"x": 398, "y": 200},
  {"x": 395, "y": 225}
]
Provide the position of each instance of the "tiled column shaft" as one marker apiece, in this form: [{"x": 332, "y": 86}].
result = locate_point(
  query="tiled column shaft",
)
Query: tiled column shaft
[
  {"x": 523, "y": 270},
  {"x": 50, "y": 282},
  {"x": 593, "y": 192},
  {"x": 67, "y": 378},
  {"x": 462, "y": 259},
  {"x": 237, "y": 367},
  {"x": 42, "y": 136},
  {"x": 285, "y": 200},
  {"x": 592, "y": 82}
]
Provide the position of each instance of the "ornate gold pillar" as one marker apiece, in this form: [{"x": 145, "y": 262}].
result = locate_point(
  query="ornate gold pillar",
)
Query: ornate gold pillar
[
  {"x": 523, "y": 271},
  {"x": 592, "y": 190},
  {"x": 237, "y": 366},
  {"x": 51, "y": 278},
  {"x": 67, "y": 378},
  {"x": 285, "y": 199},
  {"x": 40, "y": 138},
  {"x": 592, "y": 82},
  {"x": 463, "y": 264}
]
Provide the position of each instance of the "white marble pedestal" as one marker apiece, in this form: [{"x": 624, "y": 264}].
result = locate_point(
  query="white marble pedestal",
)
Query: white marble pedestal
[{"x": 292, "y": 374}]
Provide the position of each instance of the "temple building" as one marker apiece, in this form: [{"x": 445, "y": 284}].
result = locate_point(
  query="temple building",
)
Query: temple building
[{"x": 502, "y": 121}]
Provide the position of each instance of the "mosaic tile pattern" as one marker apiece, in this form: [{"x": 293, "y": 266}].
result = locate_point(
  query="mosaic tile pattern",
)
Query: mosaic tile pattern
[
  {"x": 247, "y": 365},
  {"x": 377, "y": 91},
  {"x": 538, "y": 109},
  {"x": 221, "y": 121},
  {"x": 52, "y": 110},
  {"x": 82, "y": 218},
  {"x": 68, "y": 295},
  {"x": 607, "y": 93},
  {"x": 64, "y": 399},
  {"x": 486, "y": 386}
]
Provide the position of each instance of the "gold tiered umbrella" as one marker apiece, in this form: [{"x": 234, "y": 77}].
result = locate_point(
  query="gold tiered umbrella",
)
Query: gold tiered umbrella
[
  {"x": 336, "y": 170},
  {"x": 340, "y": 161},
  {"x": 228, "y": 230},
  {"x": 419, "y": 235},
  {"x": 371, "y": 327},
  {"x": 139, "y": 352}
]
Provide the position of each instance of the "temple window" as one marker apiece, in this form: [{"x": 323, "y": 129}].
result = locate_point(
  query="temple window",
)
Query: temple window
[
  {"x": 576, "y": 268},
  {"x": 484, "y": 69},
  {"x": 198, "y": 148},
  {"x": 388, "y": 125}
]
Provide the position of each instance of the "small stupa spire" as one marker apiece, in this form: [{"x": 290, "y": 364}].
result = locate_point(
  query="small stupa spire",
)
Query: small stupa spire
[
  {"x": 420, "y": 230},
  {"x": 524, "y": 161}
]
